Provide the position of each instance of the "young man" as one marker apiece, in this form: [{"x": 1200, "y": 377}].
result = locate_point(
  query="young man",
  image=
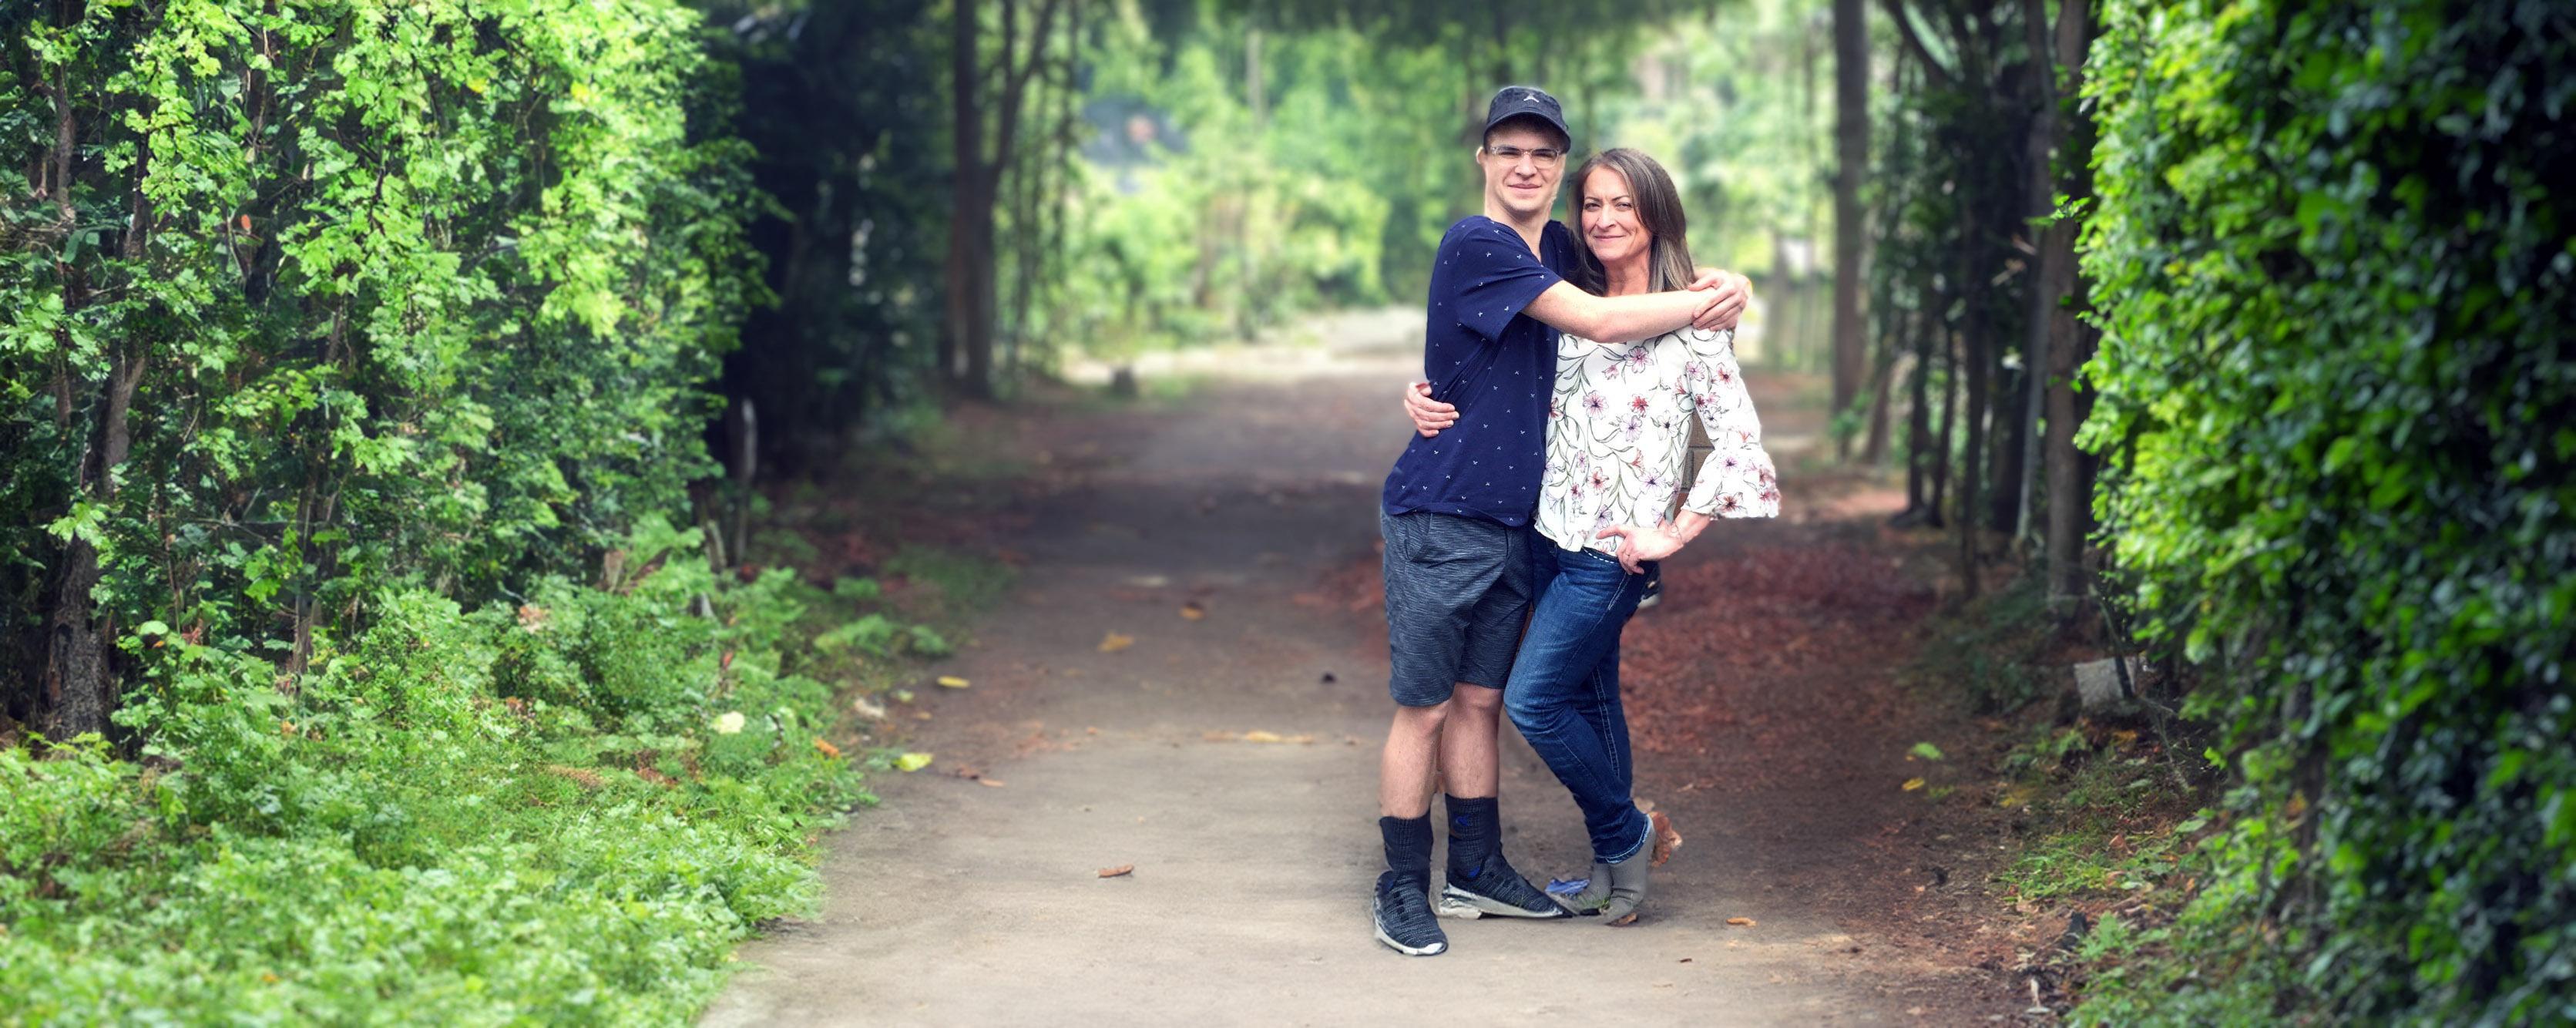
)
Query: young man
[{"x": 1456, "y": 510}]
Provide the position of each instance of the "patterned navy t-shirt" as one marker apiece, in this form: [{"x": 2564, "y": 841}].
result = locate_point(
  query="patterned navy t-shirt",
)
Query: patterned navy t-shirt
[{"x": 1496, "y": 365}]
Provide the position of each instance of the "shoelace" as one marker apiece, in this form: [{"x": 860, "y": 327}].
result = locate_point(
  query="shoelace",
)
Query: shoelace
[
  {"x": 1510, "y": 886},
  {"x": 1412, "y": 907}
]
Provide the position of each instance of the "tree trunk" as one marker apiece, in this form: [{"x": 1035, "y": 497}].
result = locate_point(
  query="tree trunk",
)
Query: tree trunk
[
  {"x": 975, "y": 233},
  {"x": 973, "y": 298},
  {"x": 79, "y": 682},
  {"x": 2070, "y": 493},
  {"x": 1851, "y": 153},
  {"x": 2040, "y": 148},
  {"x": 1949, "y": 339},
  {"x": 2070, "y": 487},
  {"x": 1919, "y": 453},
  {"x": 1974, "y": 357},
  {"x": 1883, "y": 390},
  {"x": 2005, "y": 441},
  {"x": 966, "y": 138}
]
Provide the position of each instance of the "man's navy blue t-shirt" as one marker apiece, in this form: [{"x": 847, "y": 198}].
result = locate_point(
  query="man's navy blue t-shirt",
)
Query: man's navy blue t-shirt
[{"x": 1496, "y": 365}]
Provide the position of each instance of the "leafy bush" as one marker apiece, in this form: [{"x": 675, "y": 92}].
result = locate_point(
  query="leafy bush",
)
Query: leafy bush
[
  {"x": 309, "y": 297},
  {"x": 2335, "y": 385},
  {"x": 411, "y": 830}
]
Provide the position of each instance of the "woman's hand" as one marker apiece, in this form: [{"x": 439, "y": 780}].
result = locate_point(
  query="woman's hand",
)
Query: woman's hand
[
  {"x": 1639, "y": 545},
  {"x": 1429, "y": 415},
  {"x": 1733, "y": 293}
]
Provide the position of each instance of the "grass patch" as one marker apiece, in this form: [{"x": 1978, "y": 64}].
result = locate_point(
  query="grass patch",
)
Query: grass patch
[
  {"x": 563, "y": 811},
  {"x": 2109, "y": 836}
]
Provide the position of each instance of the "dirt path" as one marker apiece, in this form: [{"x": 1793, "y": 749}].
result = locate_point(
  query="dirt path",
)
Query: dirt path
[{"x": 965, "y": 902}]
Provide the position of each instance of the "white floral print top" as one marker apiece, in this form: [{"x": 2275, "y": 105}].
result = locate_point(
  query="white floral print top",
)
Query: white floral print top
[{"x": 1618, "y": 430}]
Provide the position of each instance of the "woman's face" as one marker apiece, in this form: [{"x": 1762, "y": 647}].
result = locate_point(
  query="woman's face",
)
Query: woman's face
[{"x": 1610, "y": 224}]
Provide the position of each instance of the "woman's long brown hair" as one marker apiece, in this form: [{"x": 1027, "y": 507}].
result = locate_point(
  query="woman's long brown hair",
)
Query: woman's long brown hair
[{"x": 1659, "y": 212}]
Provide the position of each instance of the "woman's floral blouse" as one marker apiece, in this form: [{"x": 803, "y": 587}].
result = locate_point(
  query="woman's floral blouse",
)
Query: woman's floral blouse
[{"x": 1618, "y": 429}]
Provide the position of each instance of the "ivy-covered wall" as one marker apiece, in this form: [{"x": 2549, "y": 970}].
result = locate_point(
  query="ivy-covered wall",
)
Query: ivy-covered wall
[{"x": 2336, "y": 391}]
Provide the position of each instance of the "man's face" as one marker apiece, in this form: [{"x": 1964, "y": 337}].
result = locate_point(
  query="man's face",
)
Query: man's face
[{"x": 1522, "y": 168}]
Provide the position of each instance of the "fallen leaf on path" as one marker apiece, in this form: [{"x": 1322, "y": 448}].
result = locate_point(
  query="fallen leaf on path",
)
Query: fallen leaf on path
[
  {"x": 1191, "y": 611},
  {"x": 825, "y": 747},
  {"x": 995, "y": 783},
  {"x": 921, "y": 715},
  {"x": 912, "y": 761},
  {"x": 1666, "y": 838},
  {"x": 1120, "y": 871},
  {"x": 1744, "y": 922},
  {"x": 951, "y": 682},
  {"x": 1258, "y": 736},
  {"x": 1912, "y": 784},
  {"x": 902, "y": 695},
  {"x": 1114, "y": 642},
  {"x": 868, "y": 708}
]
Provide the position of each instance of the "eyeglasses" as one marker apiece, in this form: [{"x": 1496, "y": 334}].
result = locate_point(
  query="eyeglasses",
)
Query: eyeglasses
[{"x": 1544, "y": 157}]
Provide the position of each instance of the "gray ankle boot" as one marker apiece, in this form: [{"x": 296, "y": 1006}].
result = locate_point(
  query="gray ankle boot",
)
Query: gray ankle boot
[{"x": 1627, "y": 889}]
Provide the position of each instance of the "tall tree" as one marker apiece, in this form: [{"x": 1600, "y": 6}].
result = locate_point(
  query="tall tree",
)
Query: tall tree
[
  {"x": 1851, "y": 159},
  {"x": 2070, "y": 487},
  {"x": 966, "y": 341}
]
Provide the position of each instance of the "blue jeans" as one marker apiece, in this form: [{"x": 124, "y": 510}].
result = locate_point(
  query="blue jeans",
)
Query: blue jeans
[{"x": 1564, "y": 689}]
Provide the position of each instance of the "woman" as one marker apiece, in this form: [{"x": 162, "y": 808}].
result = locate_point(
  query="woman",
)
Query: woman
[{"x": 1618, "y": 430}]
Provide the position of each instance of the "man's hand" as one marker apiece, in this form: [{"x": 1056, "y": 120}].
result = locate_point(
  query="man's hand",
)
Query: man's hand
[
  {"x": 1429, "y": 415},
  {"x": 1639, "y": 545},
  {"x": 1727, "y": 307}
]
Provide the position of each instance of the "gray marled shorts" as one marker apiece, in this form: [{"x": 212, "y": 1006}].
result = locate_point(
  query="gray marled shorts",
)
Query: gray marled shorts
[{"x": 1457, "y": 590}]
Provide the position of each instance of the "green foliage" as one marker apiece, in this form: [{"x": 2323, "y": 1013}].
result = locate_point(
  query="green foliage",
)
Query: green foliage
[
  {"x": 1735, "y": 113},
  {"x": 467, "y": 817},
  {"x": 413, "y": 294},
  {"x": 1197, "y": 217},
  {"x": 2335, "y": 377}
]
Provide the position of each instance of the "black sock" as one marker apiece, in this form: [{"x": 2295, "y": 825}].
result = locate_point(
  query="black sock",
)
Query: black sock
[
  {"x": 1408, "y": 847},
  {"x": 1475, "y": 834}
]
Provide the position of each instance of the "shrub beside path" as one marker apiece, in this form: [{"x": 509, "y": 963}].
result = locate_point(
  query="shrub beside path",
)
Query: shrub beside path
[{"x": 1227, "y": 752}]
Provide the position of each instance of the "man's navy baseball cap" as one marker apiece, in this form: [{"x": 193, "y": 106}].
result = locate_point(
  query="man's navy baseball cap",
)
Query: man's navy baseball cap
[{"x": 1517, "y": 101}]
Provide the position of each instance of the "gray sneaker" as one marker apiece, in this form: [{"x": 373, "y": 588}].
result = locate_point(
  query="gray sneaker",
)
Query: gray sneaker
[
  {"x": 1401, "y": 913},
  {"x": 1495, "y": 890}
]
